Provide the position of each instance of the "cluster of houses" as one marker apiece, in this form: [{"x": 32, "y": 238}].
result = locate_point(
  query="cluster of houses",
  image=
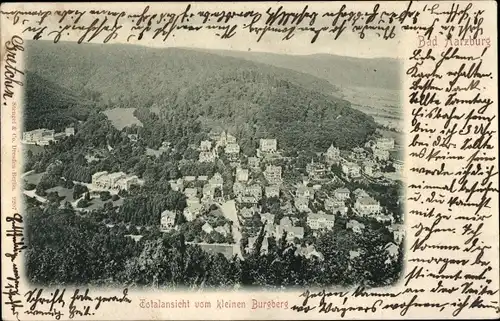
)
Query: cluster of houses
[
  {"x": 114, "y": 182},
  {"x": 249, "y": 189},
  {"x": 209, "y": 149},
  {"x": 196, "y": 199},
  {"x": 43, "y": 136},
  {"x": 248, "y": 192},
  {"x": 168, "y": 222},
  {"x": 360, "y": 162}
]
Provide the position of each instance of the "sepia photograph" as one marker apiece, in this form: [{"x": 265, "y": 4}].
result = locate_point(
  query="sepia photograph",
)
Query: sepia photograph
[
  {"x": 207, "y": 168},
  {"x": 249, "y": 160}
]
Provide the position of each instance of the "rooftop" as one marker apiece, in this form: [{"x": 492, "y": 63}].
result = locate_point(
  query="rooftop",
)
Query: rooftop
[
  {"x": 206, "y": 226},
  {"x": 168, "y": 213},
  {"x": 319, "y": 216},
  {"x": 285, "y": 221},
  {"x": 356, "y": 223},
  {"x": 116, "y": 175},
  {"x": 367, "y": 200}
]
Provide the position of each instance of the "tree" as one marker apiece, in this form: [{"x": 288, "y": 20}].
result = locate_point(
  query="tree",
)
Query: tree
[
  {"x": 105, "y": 195},
  {"x": 29, "y": 186},
  {"x": 78, "y": 190},
  {"x": 258, "y": 242},
  {"x": 53, "y": 197},
  {"x": 108, "y": 206},
  {"x": 68, "y": 183},
  {"x": 389, "y": 168},
  {"x": 67, "y": 205},
  {"x": 83, "y": 203},
  {"x": 337, "y": 170}
]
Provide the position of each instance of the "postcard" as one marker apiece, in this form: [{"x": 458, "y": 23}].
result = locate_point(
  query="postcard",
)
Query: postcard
[{"x": 249, "y": 160}]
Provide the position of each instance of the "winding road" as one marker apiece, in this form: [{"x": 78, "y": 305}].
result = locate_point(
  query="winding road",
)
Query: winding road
[{"x": 229, "y": 211}]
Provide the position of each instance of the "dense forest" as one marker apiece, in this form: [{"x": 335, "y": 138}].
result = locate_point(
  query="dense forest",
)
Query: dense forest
[
  {"x": 49, "y": 105},
  {"x": 67, "y": 159},
  {"x": 67, "y": 248},
  {"x": 341, "y": 71},
  {"x": 128, "y": 72},
  {"x": 181, "y": 86}
]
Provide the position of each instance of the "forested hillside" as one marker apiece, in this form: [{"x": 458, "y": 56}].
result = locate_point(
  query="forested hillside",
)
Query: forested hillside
[
  {"x": 176, "y": 87},
  {"x": 52, "y": 106},
  {"x": 383, "y": 73},
  {"x": 127, "y": 72}
]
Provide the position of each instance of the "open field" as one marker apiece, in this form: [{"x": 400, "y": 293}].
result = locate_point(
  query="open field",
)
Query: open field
[
  {"x": 35, "y": 149},
  {"x": 33, "y": 178},
  {"x": 67, "y": 193},
  {"x": 383, "y": 104},
  {"x": 122, "y": 117}
]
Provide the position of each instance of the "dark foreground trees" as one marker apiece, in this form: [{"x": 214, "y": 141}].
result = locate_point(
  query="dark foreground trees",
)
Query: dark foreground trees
[{"x": 65, "y": 247}]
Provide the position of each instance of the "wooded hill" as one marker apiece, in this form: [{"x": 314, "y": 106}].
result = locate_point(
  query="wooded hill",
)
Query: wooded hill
[
  {"x": 49, "y": 105},
  {"x": 252, "y": 100},
  {"x": 341, "y": 71}
]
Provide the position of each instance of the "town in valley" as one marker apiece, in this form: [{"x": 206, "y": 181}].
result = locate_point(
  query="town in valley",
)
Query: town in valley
[
  {"x": 297, "y": 188},
  {"x": 260, "y": 197}
]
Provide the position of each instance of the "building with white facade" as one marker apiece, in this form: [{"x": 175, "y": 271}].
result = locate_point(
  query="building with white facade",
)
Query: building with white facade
[
  {"x": 114, "y": 181},
  {"x": 205, "y": 146},
  {"x": 40, "y": 136},
  {"x": 69, "y": 131},
  {"x": 342, "y": 193},
  {"x": 315, "y": 170},
  {"x": 292, "y": 232},
  {"x": 254, "y": 190},
  {"x": 320, "y": 221},
  {"x": 359, "y": 192},
  {"x": 177, "y": 185},
  {"x": 254, "y": 162},
  {"x": 398, "y": 232},
  {"x": 272, "y": 191},
  {"x": 208, "y": 193},
  {"x": 216, "y": 181},
  {"x": 351, "y": 169},
  {"x": 355, "y": 226},
  {"x": 193, "y": 210},
  {"x": 334, "y": 206},
  {"x": 238, "y": 189},
  {"x": 247, "y": 212},
  {"x": 267, "y": 218},
  {"x": 369, "y": 168},
  {"x": 332, "y": 155},
  {"x": 302, "y": 204},
  {"x": 242, "y": 175},
  {"x": 385, "y": 143},
  {"x": 268, "y": 145},
  {"x": 207, "y": 228},
  {"x": 251, "y": 243},
  {"x": 167, "y": 220},
  {"x": 304, "y": 192},
  {"x": 273, "y": 174},
  {"x": 207, "y": 156},
  {"x": 381, "y": 154},
  {"x": 232, "y": 149},
  {"x": 191, "y": 192},
  {"x": 367, "y": 206}
]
